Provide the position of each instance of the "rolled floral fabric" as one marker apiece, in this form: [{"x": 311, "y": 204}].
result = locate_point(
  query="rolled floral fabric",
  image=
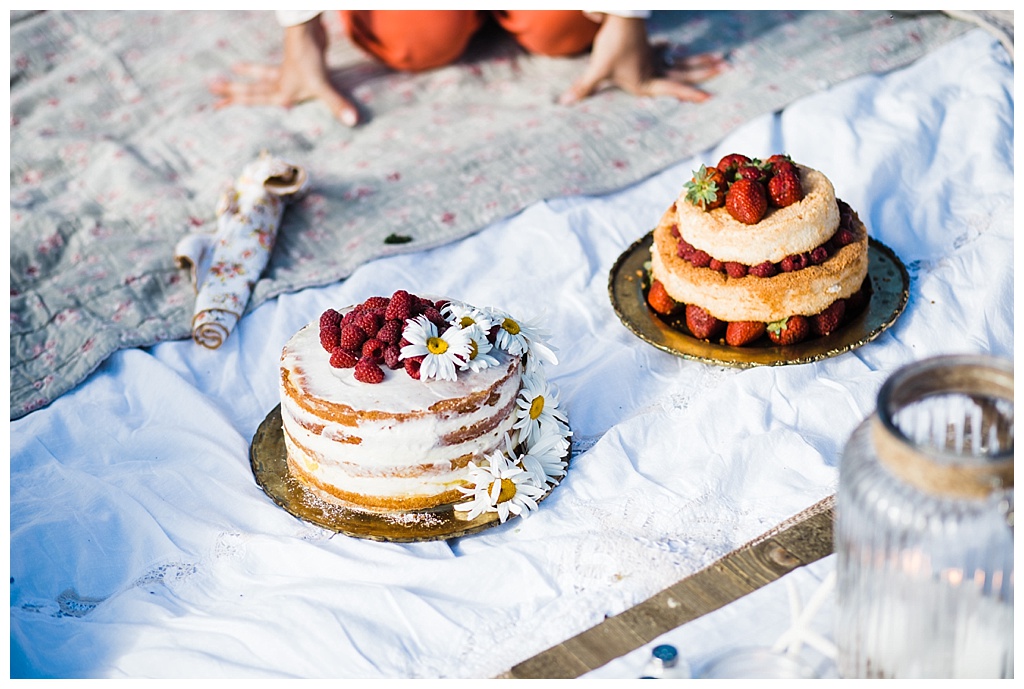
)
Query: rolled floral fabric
[{"x": 225, "y": 265}]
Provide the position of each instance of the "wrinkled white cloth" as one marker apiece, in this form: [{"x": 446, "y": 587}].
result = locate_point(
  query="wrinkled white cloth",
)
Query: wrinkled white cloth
[
  {"x": 225, "y": 265},
  {"x": 141, "y": 546}
]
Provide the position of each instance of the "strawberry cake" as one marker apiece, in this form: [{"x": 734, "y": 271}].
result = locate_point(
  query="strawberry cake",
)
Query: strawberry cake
[
  {"x": 404, "y": 403},
  {"x": 759, "y": 252}
]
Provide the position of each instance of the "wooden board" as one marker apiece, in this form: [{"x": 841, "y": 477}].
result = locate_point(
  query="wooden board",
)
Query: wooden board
[{"x": 805, "y": 538}]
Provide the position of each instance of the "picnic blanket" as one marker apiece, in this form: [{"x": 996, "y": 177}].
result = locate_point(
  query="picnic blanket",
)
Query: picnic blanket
[
  {"x": 141, "y": 545},
  {"x": 116, "y": 153}
]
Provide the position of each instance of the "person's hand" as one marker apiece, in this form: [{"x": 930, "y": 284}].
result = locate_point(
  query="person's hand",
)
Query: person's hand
[
  {"x": 301, "y": 76},
  {"x": 622, "y": 56}
]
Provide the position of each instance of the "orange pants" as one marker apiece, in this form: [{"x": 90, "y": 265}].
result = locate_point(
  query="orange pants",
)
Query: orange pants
[{"x": 414, "y": 40}]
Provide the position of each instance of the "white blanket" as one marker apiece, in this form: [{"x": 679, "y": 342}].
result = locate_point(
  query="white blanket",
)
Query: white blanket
[{"x": 141, "y": 545}]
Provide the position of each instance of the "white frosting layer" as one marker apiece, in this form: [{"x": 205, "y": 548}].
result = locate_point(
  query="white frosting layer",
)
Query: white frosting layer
[
  {"x": 396, "y": 439},
  {"x": 386, "y": 488}
]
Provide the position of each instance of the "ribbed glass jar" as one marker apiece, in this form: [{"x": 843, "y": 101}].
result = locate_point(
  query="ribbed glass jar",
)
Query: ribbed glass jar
[{"x": 924, "y": 526}]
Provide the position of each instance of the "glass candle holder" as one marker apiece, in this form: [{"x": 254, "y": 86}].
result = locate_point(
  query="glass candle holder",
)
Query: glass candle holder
[{"x": 924, "y": 526}]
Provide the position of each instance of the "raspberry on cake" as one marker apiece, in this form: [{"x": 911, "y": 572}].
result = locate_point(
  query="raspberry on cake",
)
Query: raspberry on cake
[
  {"x": 410, "y": 418},
  {"x": 784, "y": 246}
]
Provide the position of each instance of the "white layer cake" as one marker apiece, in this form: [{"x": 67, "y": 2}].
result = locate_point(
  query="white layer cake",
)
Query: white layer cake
[{"x": 402, "y": 444}]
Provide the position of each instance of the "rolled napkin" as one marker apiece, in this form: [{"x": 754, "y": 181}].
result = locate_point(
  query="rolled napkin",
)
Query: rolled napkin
[{"x": 225, "y": 265}]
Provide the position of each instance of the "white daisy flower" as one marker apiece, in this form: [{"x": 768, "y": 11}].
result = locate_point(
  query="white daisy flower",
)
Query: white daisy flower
[
  {"x": 465, "y": 315},
  {"x": 501, "y": 487},
  {"x": 479, "y": 491},
  {"x": 537, "y": 406},
  {"x": 544, "y": 459},
  {"x": 519, "y": 337},
  {"x": 479, "y": 350},
  {"x": 442, "y": 353}
]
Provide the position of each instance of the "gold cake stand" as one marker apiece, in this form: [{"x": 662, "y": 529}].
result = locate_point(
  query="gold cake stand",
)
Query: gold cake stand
[
  {"x": 629, "y": 280},
  {"x": 268, "y": 458}
]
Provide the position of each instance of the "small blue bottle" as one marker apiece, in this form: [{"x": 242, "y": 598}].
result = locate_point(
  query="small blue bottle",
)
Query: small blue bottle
[{"x": 665, "y": 663}]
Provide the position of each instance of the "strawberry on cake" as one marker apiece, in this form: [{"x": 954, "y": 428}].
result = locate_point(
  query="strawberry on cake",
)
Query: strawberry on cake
[
  {"x": 404, "y": 403},
  {"x": 756, "y": 249}
]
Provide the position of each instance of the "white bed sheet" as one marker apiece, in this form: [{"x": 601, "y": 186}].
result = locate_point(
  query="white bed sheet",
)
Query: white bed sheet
[{"x": 141, "y": 546}]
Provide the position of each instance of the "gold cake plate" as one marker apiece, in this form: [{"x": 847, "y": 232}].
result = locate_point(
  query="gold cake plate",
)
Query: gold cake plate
[
  {"x": 628, "y": 284},
  {"x": 269, "y": 461}
]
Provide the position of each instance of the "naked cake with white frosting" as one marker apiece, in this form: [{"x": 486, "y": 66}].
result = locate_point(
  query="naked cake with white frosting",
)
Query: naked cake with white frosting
[
  {"x": 406, "y": 403},
  {"x": 759, "y": 249}
]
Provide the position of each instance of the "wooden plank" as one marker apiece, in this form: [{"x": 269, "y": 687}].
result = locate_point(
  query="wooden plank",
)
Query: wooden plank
[
  {"x": 603, "y": 643},
  {"x": 799, "y": 541},
  {"x": 557, "y": 662},
  {"x": 662, "y": 611}
]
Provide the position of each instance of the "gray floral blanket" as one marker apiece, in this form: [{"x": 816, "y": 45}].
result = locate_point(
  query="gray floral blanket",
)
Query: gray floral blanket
[{"x": 116, "y": 153}]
